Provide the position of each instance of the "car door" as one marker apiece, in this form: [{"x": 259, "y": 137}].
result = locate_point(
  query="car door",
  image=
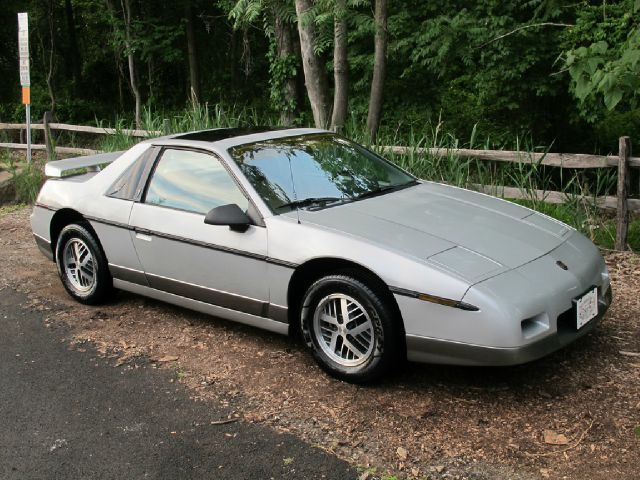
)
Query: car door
[{"x": 181, "y": 254}]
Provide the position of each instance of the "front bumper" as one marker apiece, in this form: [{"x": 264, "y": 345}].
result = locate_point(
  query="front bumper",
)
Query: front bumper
[{"x": 434, "y": 350}]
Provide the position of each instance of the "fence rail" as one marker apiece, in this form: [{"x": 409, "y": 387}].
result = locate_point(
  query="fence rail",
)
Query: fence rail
[
  {"x": 42, "y": 146},
  {"x": 562, "y": 160},
  {"x": 623, "y": 162},
  {"x": 80, "y": 128}
]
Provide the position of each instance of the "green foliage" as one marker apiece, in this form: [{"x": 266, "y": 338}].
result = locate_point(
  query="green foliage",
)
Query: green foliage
[
  {"x": 512, "y": 69},
  {"x": 607, "y": 63},
  {"x": 282, "y": 68},
  {"x": 26, "y": 179}
]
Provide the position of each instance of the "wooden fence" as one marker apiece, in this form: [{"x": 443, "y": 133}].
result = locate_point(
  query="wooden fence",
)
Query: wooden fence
[{"x": 623, "y": 162}]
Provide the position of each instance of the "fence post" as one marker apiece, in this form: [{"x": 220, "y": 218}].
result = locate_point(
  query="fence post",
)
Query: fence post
[
  {"x": 166, "y": 126},
  {"x": 624, "y": 177},
  {"x": 48, "y": 141}
]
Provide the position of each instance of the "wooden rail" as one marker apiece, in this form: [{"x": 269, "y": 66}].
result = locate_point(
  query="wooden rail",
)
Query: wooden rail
[
  {"x": 551, "y": 196},
  {"x": 43, "y": 147},
  {"x": 623, "y": 162},
  {"x": 562, "y": 160},
  {"x": 80, "y": 128}
]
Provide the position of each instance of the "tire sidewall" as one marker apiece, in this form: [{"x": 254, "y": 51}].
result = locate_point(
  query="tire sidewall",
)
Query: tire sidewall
[
  {"x": 102, "y": 283},
  {"x": 377, "y": 363}
]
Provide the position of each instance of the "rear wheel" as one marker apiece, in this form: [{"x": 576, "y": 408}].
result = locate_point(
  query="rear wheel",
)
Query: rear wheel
[
  {"x": 350, "y": 328},
  {"x": 82, "y": 266}
]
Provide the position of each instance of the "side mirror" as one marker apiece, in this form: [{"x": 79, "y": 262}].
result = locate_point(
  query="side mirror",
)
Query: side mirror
[{"x": 231, "y": 215}]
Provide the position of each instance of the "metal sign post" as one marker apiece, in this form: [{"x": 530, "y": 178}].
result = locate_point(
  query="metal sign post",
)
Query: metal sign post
[{"x": 25, "y": 78}]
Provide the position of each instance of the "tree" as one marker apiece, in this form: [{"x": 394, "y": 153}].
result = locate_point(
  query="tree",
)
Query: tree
[
  {"x": 129, "y": 51},
  {"x": 192, "y": 54},
  {"x": 314, "y": 72},
  {"x": 379, "y": 67},
  {"x": 74, "y": 62},
  {"x": 49, "y": 55},
  {"x": 340, "y": 67},
  {"x": 126, "y": 9},
  {"x": 283, "y": 69},
  {"x": 609, "y": 66},
  {"x": 278, "y": 18}
]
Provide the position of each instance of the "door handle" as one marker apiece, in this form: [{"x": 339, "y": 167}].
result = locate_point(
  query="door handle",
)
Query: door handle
[{"x": 142, "y": 236}]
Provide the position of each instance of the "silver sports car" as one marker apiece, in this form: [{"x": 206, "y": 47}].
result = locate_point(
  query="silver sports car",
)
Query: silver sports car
[{"x": 301, "y": 230}]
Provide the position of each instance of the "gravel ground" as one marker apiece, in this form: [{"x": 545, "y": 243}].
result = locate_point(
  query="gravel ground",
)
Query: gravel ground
[{"x": 570, "y": 415}]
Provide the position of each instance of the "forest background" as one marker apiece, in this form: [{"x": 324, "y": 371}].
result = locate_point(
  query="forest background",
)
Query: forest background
[{"x": 561, "y": 75}]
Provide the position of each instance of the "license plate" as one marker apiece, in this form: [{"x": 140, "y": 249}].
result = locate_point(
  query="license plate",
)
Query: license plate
[{"x": 587, "y": 307}]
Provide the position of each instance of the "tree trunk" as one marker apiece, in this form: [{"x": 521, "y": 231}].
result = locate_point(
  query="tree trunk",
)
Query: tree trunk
[
  {"x": 51, "y": 62},
  {"x": 314, "y": 73},
  {"x": 301, "y": 93},
  {"x": 74, "y": 61},
  {"x": 132, "y": 67},
  {"x": 379, "y": 67},
  {"x": 194, "y": 80},
  {"x": 285, "y": 50},
  {"x": 233, "y": 54},
  {"x": 340, "y": 67},
  {"x": 117, "y": 54}
]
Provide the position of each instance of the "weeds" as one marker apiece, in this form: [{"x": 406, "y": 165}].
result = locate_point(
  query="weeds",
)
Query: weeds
[
  {"x": 533, "y": 179},
  {"x": 27, "y": 183},
  {"x": 26, "y": 179}
]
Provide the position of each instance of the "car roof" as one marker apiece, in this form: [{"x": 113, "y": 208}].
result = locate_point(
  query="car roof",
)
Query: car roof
[
  {"x": 216, "y": 134},
  {"x": 225, "y": 138}
]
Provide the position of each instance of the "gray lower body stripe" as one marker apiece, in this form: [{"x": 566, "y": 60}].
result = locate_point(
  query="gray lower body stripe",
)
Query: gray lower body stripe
[
  {"x": 278, "y": 313},
  {"x": 128, "y": 274},
  {"x": 248, "y": 305},
  {"x": 211, "y": 296}
]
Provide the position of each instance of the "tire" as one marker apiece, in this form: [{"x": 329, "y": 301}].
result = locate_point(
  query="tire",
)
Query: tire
[
  {"x": 361, "y": 349},
  {"x": 90, "y": 284}
]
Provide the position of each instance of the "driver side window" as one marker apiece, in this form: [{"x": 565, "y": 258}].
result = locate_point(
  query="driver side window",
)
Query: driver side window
[{"x": 192, "y": 181}]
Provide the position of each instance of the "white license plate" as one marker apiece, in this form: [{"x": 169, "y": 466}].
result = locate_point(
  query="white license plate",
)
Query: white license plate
[{"x": 587, "y": 307}]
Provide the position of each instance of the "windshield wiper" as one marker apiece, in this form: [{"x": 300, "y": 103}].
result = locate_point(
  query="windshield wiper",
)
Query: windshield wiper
[
  {"x": 387, "y": 188},
  {"x": 310, "y": 201}
]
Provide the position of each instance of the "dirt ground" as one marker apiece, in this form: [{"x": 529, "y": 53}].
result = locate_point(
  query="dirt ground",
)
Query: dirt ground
[{"x": 574, "y": 414}]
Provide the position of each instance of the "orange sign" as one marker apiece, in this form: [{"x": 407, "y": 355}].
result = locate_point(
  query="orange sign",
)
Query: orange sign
[{"x": 26, "y": 95}]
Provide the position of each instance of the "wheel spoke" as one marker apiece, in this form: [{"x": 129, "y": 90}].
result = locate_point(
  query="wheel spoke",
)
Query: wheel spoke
[
  {"x": 329, "y": 319},
  {"x": 334, "y": 341},
  {"x": 344, "y": 310},
  {"x": 357, "y": 330},
  {"x": 355, "y": 350}
]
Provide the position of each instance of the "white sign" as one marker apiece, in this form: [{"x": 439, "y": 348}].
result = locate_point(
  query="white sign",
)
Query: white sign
[{"x": 23, "y": 48}]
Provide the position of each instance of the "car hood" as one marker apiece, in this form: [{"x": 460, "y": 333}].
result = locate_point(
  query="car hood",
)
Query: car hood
[{"x": 472, "y": 235}]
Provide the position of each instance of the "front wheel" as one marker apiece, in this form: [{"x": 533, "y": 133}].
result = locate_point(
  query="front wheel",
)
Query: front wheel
[
  {"x": 82, "y": 266},
  {"x": 350, "y": 328}
]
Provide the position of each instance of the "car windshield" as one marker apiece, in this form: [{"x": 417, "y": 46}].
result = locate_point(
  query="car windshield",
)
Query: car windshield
[{"x": 315, "y": 171}]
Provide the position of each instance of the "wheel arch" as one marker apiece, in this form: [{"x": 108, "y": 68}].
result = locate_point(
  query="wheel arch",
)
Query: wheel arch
[
  {"x": 64, "y": 217},
  {"x": 310, "y": 271}
]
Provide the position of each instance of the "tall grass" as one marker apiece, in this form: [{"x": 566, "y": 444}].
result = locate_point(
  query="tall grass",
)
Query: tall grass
[
  {"x": 446, "y": 167},
  {"x": 26, "y": 180}
]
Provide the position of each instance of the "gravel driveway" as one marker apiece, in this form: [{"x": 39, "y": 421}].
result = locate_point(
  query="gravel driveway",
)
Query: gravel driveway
[{"x": 572, "y": 414}]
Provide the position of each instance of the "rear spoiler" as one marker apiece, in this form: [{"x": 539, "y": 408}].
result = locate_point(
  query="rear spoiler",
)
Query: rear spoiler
[{"x": 78, "y": 165}]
